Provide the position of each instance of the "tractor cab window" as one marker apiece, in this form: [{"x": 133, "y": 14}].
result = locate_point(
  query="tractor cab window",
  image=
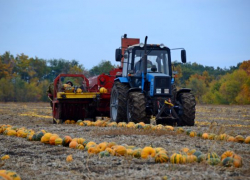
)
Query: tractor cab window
[{"x": 157, "y": 61}]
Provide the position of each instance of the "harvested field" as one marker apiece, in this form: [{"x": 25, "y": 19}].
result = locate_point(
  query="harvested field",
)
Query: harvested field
[{"x": 36, "y": 160}]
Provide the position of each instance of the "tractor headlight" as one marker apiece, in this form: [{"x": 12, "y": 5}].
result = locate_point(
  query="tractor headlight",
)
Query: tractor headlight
[
  {"x": 161, "y": 45},
  {"x": 158, "y": 91},
  {"x": 141, "y": 45},
  {"x": 166, "y": 91}
]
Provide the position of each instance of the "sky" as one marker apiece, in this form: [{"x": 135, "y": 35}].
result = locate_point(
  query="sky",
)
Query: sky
[{"x": 213, "y": 32}]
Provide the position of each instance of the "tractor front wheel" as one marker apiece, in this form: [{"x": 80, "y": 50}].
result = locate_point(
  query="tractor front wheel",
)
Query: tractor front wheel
[
  {"x": 136, "y": 107},
  {"x": 187, "y": 101},
  {"x": 118, "y": 102}
]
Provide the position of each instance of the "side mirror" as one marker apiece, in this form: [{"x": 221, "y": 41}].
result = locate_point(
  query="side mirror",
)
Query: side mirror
[
  {"x": 118, "y": 54},
  {"x": 183, "y": 56}
]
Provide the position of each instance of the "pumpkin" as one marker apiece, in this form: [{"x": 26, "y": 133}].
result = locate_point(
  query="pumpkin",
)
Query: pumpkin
[
  {"x": 44, "y": 139},
  {"x": 111, "y": 151},
  {"x": 72, "y": 122},
  {"x": 190, "y": 152},
  {"x": 230, "y": 139},
  {"x": 12, "y": 175},
  {"x": 199, "y": 134},
  {"x": 212, "y": 155},
  {"x": 212, "y": 136},
  {"x": 171, "y": 128},
  {"x": 237, "y": 161},
  {"x": 5, "y": 157},
  {"x": 191, "y": 158},
  {"x": 67, "y": 122},
  {"x": 104, "y": 154},
  {"x": 161, "y": 158},
  {"x": 80, "y": 140},
  {"x": 78, "y": 90},
  {"x": 73, "y": 144},
  {"x": 102, "y": 146},
  {"x": 222, "y": 136},
  {"x": 92, "y": 150},
  {"x": 148, "y": 152},
  {"x": 66, "y": 140},
  {"x": 138, "y": 126},
  {"x": 130, "y": 152},
  {"x": 89, "y": 144},
  {"x": 176, "y": 158},
  {"x": 227, "y": 154},
  {"x": 52, "y": 139},
  {"x": 201, "y": 158},
  {"x": 213, "y": 161},
  {"x": 247, "y": 140},
  {"x": 131, "y": 125},
  {"x": 228, "y": 162},
  {"x": 185, "y": 149},
  {"x": 205, "y": 135},
  {"x": 188, "y": 131},
  {"x": 160, "y": 149},
  {"x": 137, "y": 153},
  {"x": 69, "y": 158},
  {"x": 239, "y": 139},
  {"x": 58, "y": 141},
  {"x": 120, "y": 151},
  {"x": 78, "y": 122},
  {"x": 11, "y": 132},
  {"x": 197, "y": 153},
  {"x": 180, "y": 130},
  {"x": 121, "y": 124},
  {"x": 80, "y": 146},
  {"x": 192, "y": 134}
]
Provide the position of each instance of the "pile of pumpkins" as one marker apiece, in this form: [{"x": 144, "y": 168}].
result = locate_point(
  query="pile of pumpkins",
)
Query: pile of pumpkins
[
  {"x": 106, "y": 149},
  {"x": 179, "y": 130}
]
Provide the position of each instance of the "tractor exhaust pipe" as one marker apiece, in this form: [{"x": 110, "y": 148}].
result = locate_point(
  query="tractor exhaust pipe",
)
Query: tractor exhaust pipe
[{"x": 145, "y": 59}]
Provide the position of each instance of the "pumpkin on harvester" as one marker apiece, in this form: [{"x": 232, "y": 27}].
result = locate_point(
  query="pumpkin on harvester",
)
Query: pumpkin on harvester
[
  {"x": 161, "y": 158},
  {"x": 148, "y": 152}
]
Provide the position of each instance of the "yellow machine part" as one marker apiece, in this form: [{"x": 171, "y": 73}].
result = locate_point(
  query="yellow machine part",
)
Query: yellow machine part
[{"x": 86, "y": 95}]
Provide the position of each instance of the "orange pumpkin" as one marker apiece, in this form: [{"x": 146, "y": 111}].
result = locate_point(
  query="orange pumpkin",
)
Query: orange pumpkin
[
  {"x": 110, "y": 144},
  {"x": 66, "y": 140},
  {"x": 191, "y": 158},
  {"x": 148, "y": 152},
  {"x": 247, "y": 140},
  {"x": 192, "y": 134},
  {"x": 120, "y": 151},
  {"x": 92, "y": 150},
  {"x": 230, "y": 139},
  {"x": 205, "y": 135},
  {"x": 73, "y": 144},
  {"x": 227, "y": 154},
  {"x": 239, "y": 139},
  {"x": 52, "y": 139},
  {"x": 69, "y": 158},
  {"x": 102, "y": 146}
]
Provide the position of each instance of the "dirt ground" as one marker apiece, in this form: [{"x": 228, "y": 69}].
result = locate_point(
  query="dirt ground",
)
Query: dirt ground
[{"x": 35, "y": 160}]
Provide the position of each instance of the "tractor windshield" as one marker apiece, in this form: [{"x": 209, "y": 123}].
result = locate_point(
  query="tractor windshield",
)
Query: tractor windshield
[{"x": 157, "y": 61}]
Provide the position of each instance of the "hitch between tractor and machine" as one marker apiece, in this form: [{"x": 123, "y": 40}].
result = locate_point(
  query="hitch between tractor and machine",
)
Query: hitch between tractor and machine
[{"x": 173, "y": 115}]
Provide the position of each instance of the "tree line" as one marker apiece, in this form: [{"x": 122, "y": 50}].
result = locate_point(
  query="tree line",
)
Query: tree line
[{"x": 24, "y": 78}]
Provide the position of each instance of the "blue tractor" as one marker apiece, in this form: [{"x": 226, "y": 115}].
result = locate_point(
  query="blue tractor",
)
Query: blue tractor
[{"x": 145, "y": 90}]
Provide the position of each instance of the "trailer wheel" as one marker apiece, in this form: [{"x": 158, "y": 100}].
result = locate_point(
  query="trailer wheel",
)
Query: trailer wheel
[
  {"x": 136, "y": 107},
  {"x": 118, "y": 100},
  {"x": 187, "y": 101}
]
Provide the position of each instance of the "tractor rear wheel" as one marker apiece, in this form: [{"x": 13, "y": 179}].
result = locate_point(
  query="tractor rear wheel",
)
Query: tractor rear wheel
[
  {"x": 136, "y": 107},
  {"x": 118, "y": 100},
  {"x": 187, "y": 101}
]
